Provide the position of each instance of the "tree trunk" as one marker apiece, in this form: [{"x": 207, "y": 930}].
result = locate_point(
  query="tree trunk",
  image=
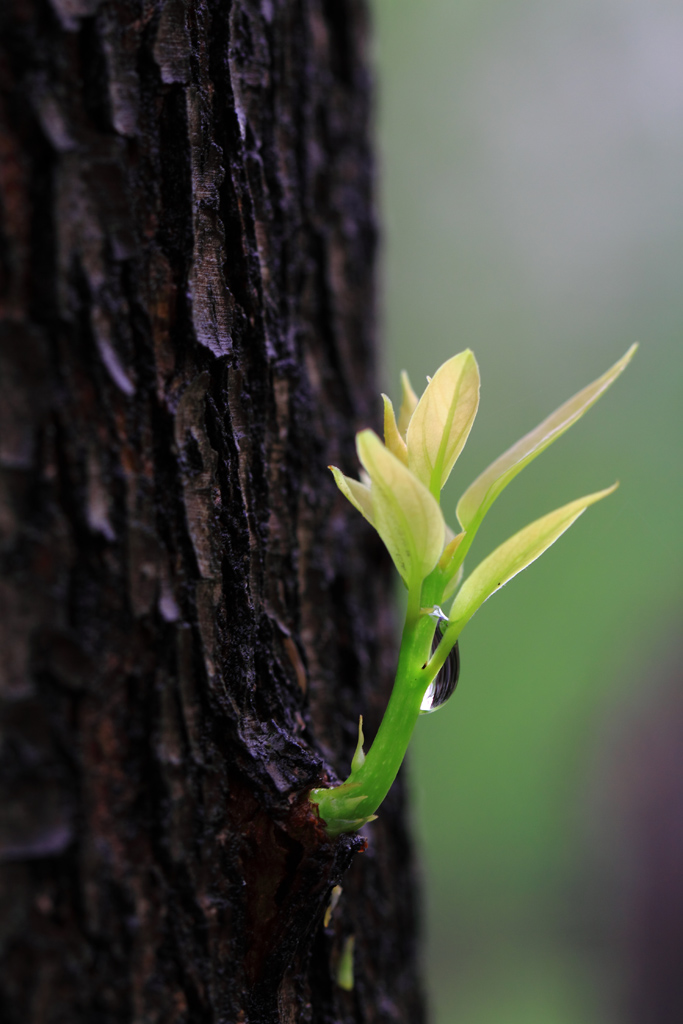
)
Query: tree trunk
[{"x": 191, "y": 616}]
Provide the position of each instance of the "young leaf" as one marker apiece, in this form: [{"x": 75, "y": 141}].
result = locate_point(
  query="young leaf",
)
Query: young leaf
[
  {"x": 450, "y": 564},
  {"x": 479, "y": 496},
  {"x": 515, "y": 554},
  {"x": 357, "y": 493},
  {"x": 359, "y": 757},
  {"x": 443, "y": 419},
  {"x": 405, "y": 515},
  {"x": 408, "y": 404},
  {"x": 453, "y": 542},
  {"x": 453, "y": 583},
  {"x": 392, "y": 437},
  {"x": 345, "y": 966}
]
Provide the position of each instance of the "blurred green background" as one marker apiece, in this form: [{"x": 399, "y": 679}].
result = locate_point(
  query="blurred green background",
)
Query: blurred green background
[{"x": 531, "y": 161}]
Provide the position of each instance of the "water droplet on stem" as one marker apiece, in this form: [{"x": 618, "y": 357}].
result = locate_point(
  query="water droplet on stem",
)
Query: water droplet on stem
[{"x": 442, "y": 687}]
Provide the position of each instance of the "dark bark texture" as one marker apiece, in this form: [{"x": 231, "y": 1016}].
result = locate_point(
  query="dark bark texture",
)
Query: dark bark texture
[{"x": 191, "y": 617}]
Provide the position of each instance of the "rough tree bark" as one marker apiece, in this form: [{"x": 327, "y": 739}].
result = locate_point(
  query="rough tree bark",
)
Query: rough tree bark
[{"x": 191, "y": 617}]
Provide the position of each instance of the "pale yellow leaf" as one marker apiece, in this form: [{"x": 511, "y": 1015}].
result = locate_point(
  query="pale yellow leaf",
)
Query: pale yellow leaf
[
  {"x": 392, "y": 437},
  {"x": 479, "y": 497},
  {"x": 443, "y": 419},
  {"x": 453, "y": 542},
  {"x": 453, "y": 584},
  {"x": 406, "y": 516},
  {"x": 408, "y": 404},
  {"x": 515, "y": 554},
  {"x": 357, "y": 493}
]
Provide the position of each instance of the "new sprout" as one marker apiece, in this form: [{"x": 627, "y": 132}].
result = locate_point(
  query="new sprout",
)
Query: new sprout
[{"x": 400, "y": 494}]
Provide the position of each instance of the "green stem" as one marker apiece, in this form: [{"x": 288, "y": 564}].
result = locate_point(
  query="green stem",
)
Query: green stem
[{"x": 346, "y": 807}]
